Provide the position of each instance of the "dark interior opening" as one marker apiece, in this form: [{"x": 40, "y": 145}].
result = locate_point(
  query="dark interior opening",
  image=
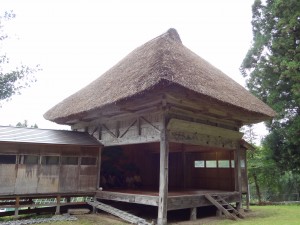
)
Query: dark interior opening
[
  {"x": 7, "y": 159},
  {"x": 190, "y": 168}
]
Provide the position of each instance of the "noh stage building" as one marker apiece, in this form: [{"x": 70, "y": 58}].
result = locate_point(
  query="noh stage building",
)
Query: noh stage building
[{"x": 169, "y": 124}]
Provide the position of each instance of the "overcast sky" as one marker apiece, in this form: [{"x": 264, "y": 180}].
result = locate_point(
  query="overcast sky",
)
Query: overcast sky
[{"x": 76, "y": 41}]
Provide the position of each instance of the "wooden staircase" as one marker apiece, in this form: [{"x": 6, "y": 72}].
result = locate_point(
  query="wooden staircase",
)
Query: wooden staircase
[
  {"x": 224, "y": 207},
  {"x": 119, "y": 213}
]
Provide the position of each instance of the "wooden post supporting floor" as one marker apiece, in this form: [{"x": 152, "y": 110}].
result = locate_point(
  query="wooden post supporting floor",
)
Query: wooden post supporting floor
[
  {"x": 193, "y": 214},
  {"x": 57, "y": 211},
  {"x": 247, "y": 184},
  {"x": 238, "y": 175},
  {"x": 17, "y": 205},
  {"x": 98, "y": 186},
  {"x": 163, "y": 175}
]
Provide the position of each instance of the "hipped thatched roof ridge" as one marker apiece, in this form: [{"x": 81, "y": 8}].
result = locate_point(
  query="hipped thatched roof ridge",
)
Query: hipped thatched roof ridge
[{"x": 166, "y": 59}]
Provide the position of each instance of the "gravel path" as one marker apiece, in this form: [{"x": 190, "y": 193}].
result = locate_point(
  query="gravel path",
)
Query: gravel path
[{"x": 40, "y": 220}]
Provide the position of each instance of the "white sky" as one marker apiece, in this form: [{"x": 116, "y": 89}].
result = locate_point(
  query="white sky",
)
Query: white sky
[{"x": 77, "y": 41}]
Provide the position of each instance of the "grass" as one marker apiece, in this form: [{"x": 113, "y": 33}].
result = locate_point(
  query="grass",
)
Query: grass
[
  {"x": 259, "y": 215},
  {"x": 269, "y": 215}
]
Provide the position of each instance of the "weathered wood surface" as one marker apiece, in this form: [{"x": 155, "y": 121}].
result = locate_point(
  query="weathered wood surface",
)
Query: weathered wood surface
[
  {"x": 163, "y": 174},
  {"x": 69, "y": 176},
  {"x": 48, "y": 179},
  {"x": 181, "y": 131},
  {"x": 87, "y": 178},
  {"x": 23, "y": 178},
  {"x": 130, "y": 198},
  {"x": 26, "y": 180},
  {"x": 126, "y": 130},
  {"x": 192, "y": 201},
  {"x": 8, "y": 175},
  {"x": 174, "y": 201}
]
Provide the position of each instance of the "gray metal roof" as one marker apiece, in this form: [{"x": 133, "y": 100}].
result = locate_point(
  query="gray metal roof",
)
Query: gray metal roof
[{"x": 43, "y": 136}]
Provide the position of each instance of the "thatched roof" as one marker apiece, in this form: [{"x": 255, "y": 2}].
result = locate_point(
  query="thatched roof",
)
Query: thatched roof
[{"x": 162, "y": 59}]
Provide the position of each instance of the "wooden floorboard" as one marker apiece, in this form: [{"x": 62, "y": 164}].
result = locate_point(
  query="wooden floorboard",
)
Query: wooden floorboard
[{"x": 170, "y": 193}]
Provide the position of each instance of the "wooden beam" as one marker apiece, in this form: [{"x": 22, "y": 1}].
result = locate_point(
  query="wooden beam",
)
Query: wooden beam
[
  {"x": 139, "y": 126},
  {"x": 125, "y": 197},
  {"x": 132, "y": 140},
  {"x": 147, "y": 121},
  {"x": 163, "y": 174},
  {"x": 109, "y": 131},
  {"x": 131, "y": 125},
  {"x": 199, "y": 128}
]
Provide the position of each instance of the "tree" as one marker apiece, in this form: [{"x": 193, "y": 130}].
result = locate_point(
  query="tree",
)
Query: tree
[
  {"x": 12, "y": 79},
  {"x": 272, "y": 70},
  {"x": 25, "y": 124}
]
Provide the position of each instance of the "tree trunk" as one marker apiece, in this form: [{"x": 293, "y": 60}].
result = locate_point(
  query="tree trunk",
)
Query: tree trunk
[{"x": 257, "y": 188}]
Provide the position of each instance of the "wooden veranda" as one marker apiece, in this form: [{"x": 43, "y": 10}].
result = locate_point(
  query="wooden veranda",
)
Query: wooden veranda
[{"x": 180, "y": 199}]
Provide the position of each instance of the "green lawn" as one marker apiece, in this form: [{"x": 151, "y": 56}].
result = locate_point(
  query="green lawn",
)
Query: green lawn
[
  {"x": 269, "y": 215},
  {"x": 259, "y": 215}
]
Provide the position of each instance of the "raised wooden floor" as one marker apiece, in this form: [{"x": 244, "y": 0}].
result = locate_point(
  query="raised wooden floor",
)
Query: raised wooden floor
[{"x": 179, "y": 199}]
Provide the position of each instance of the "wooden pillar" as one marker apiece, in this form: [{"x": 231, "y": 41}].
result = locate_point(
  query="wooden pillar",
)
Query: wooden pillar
[
  {"x": 238, "y": 175},
  {"x": 57, "y": 211},
  {"x": 163, "y": 174},
  {"x": 219, "y": 213},
  {"x": 193, "y": 214},
  {"x": 98, "y": 185},
  {"x": 68, "y": 199},
  {"x": 247, "y": 184},
  {"x": 17, "y": 205},
  {"x": 183, "y": 166}
]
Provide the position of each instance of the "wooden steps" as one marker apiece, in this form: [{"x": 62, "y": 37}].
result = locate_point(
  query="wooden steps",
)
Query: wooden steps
[
  {"x": 224, "y": 207},
  {"x": 119, "y": 213}
]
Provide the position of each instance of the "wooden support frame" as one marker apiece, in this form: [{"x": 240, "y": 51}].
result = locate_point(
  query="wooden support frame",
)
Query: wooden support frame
[{"x": 163, "y": 175}]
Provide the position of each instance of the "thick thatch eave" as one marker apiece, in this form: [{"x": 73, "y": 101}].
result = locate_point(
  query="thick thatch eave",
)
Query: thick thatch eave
[{"x": 163, "y": 59}]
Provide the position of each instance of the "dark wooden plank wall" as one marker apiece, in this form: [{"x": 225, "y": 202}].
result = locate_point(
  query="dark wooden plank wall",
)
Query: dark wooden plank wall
[
  {"x": 209, "y": 178},
  {"x": 146, "y": 162},
  {"x": 146, "y": 158}
]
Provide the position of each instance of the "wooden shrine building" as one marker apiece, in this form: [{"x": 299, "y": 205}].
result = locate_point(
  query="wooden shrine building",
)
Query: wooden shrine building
[{"x": 169, "y": 122}]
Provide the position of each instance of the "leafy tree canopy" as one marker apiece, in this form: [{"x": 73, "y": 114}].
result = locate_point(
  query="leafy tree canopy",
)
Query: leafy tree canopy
[
  {"x": 272, "y": 70},
  {"x": 12, "y": 79}
]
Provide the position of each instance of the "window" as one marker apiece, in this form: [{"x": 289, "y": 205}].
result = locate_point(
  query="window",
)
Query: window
[
  {"x": 199, "y": 164},
  {"x": 7, "y": 159},
  {"x": 243, "y": 163},
  {"x": 69, "y": 160},
  {"x": 50, "y": 160},
  {"x": 29, "y": 159},
  {"x": 211, "y": 164},
  {"x": 88, "y": 161},
  {"x": 232, "y": 163},
  {"x": 224, "y": 164}
]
